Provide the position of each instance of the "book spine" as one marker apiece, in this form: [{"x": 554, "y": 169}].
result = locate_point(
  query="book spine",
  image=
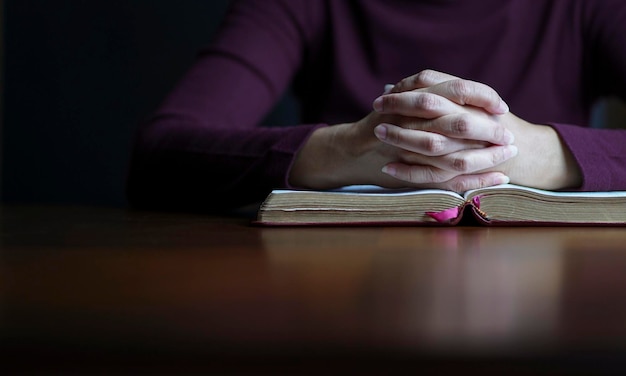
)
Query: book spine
[{"x": 451, "y": 215}]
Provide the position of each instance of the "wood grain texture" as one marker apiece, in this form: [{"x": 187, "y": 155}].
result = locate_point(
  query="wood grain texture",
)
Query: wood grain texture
[{"x": 91, "y": 290}]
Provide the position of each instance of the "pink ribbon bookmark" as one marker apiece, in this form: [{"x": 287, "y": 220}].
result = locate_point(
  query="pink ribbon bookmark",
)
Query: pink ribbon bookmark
[
  {"x": 448, "y": 215},
  {"x": 445, "y": 215}
]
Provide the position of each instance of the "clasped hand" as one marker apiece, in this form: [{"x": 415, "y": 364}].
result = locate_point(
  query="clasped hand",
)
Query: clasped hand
[
  {"x": 434, "y": 130},
  {"x": 447, "y": 132}
]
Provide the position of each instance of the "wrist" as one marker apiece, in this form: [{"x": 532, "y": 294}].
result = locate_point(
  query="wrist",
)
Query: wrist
[
  {"x": 544, "y": 161},
  {"x": 567, "y": 173},
  {"x": 318, "y": 163}
]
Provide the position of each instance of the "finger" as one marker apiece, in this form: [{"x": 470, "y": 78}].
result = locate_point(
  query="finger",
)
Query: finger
[
  {"x": 422, "y": 142},
  {"x": 460, "y": 183},
  {"x": 472, "y": 160},
  {"x": 464, "y": 126},
  {"x": 464, "y": 183},
  {"x": 466, "y": 92},
  {"x": 423, "y": 79},
  {"x": 421, "y": 169},
  {"x": 416, "y": 104},
  {"x": 456, "y": 89}
]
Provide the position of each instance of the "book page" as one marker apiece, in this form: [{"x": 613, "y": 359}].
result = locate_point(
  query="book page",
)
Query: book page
[
  {"x": 374, "y": 189},
  {"x": 356, "y": 204},
  {"x": 511, "y": 203},
  {"x": 514, "y": 187}
]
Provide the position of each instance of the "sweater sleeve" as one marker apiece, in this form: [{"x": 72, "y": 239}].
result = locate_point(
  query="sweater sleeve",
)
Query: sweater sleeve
[
  {"x": 601, "y": 153},
  {"x": 204, "y": 148}
]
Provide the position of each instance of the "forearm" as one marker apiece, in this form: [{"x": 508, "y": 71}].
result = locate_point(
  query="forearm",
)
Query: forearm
[
  {"x": 188, "y": 166},
  {"x": 204, "y": 148},
  {"x": 317, "y": 164}
]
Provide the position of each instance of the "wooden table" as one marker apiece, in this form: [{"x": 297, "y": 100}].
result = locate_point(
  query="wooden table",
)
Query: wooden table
[{"x": 98, "y": 290}]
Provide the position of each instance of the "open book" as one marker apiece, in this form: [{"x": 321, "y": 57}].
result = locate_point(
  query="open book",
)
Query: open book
[{"x": 500, "y": 205}]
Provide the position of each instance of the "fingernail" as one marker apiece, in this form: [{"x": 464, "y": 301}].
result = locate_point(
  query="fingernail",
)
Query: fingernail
[
  {"x": 389, "y": 170},
  {"x": 381, "y": 132},
  {"x": 378, "y": 104},
  {"x": 502, "y": 179},
  {"x": 511, "y": 151},
  {"x": 388, "y": 88},
  {"x": 503, "y": 107}
]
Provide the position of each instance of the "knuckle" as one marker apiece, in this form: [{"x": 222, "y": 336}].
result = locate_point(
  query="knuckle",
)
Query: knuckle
[
  {"x": 499, "y": 133},
  {"x": 424, "y": 77},
  {"x": 461, "y": 185},
  {"x": 461, "y": 164},
  {"x": 434, "y": 145},
  {"x": 465, "y": 183},
  {"x": 462, "y": 89},
  {"x": 497, "y": 156},
  {"x": 483, "y": 182},
  {"x": 411, "y": 175},
  {"x": 460, "y": 125},
  {"x": 391, "y": 102},
  {"x": 406, "y": 172},
  {"x": 426, "y": 101}
]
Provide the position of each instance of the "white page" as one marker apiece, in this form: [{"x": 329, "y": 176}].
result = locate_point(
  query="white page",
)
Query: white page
[
  {"x": 552, "y": 193},
  {"x": 376, "y": 191}
]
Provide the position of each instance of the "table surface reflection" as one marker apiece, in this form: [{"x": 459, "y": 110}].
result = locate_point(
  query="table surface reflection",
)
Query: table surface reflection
[{"x": 114, "y": 290}]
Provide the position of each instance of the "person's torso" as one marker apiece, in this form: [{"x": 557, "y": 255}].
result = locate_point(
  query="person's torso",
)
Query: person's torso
[{"x": 531, "y": 52}]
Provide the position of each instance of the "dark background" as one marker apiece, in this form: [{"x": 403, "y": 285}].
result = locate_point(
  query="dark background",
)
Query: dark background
[{"x": 78, "y": 76}]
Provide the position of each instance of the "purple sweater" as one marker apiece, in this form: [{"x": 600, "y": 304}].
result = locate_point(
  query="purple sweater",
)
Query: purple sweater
[{"x": 549, "y": 59}]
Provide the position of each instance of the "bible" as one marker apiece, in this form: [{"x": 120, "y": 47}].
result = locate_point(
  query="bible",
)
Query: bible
[{"x": 506, "y": 204}]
